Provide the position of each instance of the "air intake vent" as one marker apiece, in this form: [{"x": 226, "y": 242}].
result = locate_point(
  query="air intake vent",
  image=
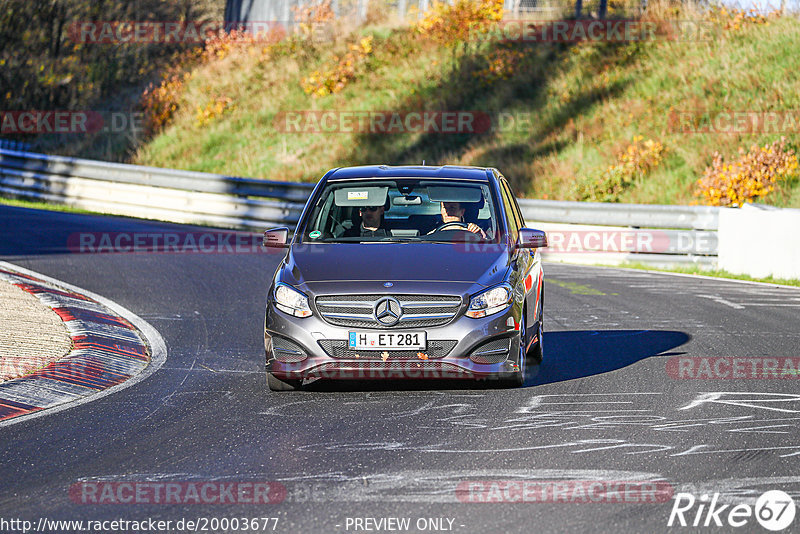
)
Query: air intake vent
[
  {"x": 492, "y": 352},
  {"x": 287, "y": 351},
  {"x": 340, "y": 349}
]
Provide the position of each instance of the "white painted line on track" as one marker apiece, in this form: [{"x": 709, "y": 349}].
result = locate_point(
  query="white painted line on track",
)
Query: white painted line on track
[
  {"x": 720, "y": 300},
  {"x": 784, "y": 304},
  {"x": 158, "y": 349}
]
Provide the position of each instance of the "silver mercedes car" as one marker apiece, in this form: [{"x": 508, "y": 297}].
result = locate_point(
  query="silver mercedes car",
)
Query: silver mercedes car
[{"x": 411, "y": 272}]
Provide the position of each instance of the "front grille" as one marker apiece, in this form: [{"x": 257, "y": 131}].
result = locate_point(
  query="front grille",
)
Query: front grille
[
  {"x": 418, "y": 311},
  {"x": 287, "y": 351},
  {"x": 339, "y": 349},
  {"x": 492, "y": 352}
]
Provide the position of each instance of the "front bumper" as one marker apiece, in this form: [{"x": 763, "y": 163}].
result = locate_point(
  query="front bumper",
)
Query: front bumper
[{"x": 303, "y": 356}]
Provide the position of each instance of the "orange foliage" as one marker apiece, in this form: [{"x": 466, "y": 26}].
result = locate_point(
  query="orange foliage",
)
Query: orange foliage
[
  {"x": 161, "y": 102},
  {"x": 502, "y": 65},
  {"x": 312, "y": 16},
  {"x": 633, "y": 163},
  {"x": 735, "y": 19},
  {"x": 753, "y": 176},
  {"x": 333, "y": 78},
  {"x": 460, "y": 22}
]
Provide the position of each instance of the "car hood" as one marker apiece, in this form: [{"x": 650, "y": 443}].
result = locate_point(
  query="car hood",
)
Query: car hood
[{"x": 404, "y": 264}]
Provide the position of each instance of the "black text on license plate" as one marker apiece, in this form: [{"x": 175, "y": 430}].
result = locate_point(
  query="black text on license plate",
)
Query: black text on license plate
[{"x": 388, "y": 340}]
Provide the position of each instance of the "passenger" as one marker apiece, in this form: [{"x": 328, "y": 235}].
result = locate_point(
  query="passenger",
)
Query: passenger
[
  {"x": 453, "y": 212},
  {"x": 371, "y": 223}
]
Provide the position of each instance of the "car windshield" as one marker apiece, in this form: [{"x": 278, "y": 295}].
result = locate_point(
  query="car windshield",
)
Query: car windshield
[{"x": 403, "y": 210}]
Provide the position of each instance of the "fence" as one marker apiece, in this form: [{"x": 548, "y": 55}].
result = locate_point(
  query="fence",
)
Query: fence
[
  {"x": 284, "y": 10},
  {"x": 684, "y": 234}
]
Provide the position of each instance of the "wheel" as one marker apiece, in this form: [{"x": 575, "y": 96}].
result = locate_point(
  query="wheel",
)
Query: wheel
[
  {"x": 279, "y": 384},
  {"x": 536, "y": 352}
]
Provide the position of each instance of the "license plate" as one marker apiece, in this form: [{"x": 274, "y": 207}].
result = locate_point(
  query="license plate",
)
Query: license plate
[{"x": 388, "y": 340}]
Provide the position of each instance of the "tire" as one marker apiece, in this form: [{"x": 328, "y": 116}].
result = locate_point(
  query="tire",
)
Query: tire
[
  {"x": 279, "y": 384},
  {"x": 536, "y": 352}
]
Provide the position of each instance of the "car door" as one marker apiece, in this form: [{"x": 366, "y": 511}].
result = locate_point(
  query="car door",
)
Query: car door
[
  {"x": 523, "y": 260},
  {"x": 515, "y": 265}
]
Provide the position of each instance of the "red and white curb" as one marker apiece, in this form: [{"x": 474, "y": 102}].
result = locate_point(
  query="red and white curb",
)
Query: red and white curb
[{"x": 112, "y": 349}]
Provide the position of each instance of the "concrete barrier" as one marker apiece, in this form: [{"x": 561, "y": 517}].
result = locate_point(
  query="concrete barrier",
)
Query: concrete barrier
[{"x": 759, "y": 241}]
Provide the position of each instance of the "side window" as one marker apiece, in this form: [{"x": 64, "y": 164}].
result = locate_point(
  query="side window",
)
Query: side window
[
  {"x": 515, "y": 205},
  {"x": 508, "y": 208},
  {"x": 512, "y": 204},
  {"x": 323, "y": 216}
]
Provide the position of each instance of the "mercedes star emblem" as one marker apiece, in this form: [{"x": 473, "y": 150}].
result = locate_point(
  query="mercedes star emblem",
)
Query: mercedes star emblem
[{"x": 387, "y": 311}]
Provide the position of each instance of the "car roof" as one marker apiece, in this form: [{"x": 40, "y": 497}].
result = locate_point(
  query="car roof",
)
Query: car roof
[{"x": 444, "y": 172}]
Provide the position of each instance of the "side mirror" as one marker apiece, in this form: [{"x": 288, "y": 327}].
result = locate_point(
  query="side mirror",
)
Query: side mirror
[
  {"x": 530, "y": 238},
  {"x": 276, "y": 238}
]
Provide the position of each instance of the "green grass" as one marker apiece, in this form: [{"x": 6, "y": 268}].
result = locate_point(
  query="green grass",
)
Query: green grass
[
  {"x": 718, "y": 273},
  {"x": 585, "y": 103},
  {"x": 44, "y": 206},
  {"x": 574, "y": 288},
  {"x": 71, "y": 209}
]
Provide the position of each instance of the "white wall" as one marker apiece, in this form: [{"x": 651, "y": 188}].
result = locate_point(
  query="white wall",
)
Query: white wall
[{"x": 760, "y": 241}]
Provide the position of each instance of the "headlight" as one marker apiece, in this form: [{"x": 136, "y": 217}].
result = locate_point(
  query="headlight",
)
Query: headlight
[
  {"x": 291, "y": 301},
  {"x": 489, "y": 302}
]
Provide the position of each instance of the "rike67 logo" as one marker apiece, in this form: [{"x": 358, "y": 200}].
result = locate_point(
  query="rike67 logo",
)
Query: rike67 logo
[{"x": 774, "y": 510}]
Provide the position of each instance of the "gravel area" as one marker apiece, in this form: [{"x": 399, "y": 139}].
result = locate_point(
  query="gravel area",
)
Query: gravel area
[{"x": 31, "y": 334}]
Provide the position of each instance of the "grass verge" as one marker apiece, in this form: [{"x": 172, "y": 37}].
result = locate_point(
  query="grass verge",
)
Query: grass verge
[
  {"x": 716, "y": 273},
  {"x": 17, "y": 203}
]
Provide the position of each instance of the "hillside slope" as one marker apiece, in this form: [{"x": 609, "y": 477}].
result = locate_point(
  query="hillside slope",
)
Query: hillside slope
[{"x": 560, "y": 111}]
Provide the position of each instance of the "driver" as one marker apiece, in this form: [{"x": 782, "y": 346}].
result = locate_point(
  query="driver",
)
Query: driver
[
  {"x": 453, "y": 212},
  {"x": 371, "y": 222}
]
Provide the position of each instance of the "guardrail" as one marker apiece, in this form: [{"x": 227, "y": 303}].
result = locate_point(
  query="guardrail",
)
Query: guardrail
[
  {"x": 611, "y": 232},
  {"x": 151, "y": 192},
  {"x": 615, "y": 233},
  {"x": 611, "y": 214}
]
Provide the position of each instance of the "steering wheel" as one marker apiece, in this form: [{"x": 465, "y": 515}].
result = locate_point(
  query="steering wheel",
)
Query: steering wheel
[{"x": 456, "y": 226}]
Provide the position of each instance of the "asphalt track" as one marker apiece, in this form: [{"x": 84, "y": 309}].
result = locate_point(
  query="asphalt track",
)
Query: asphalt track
[{"x": 602, "y": 406}]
